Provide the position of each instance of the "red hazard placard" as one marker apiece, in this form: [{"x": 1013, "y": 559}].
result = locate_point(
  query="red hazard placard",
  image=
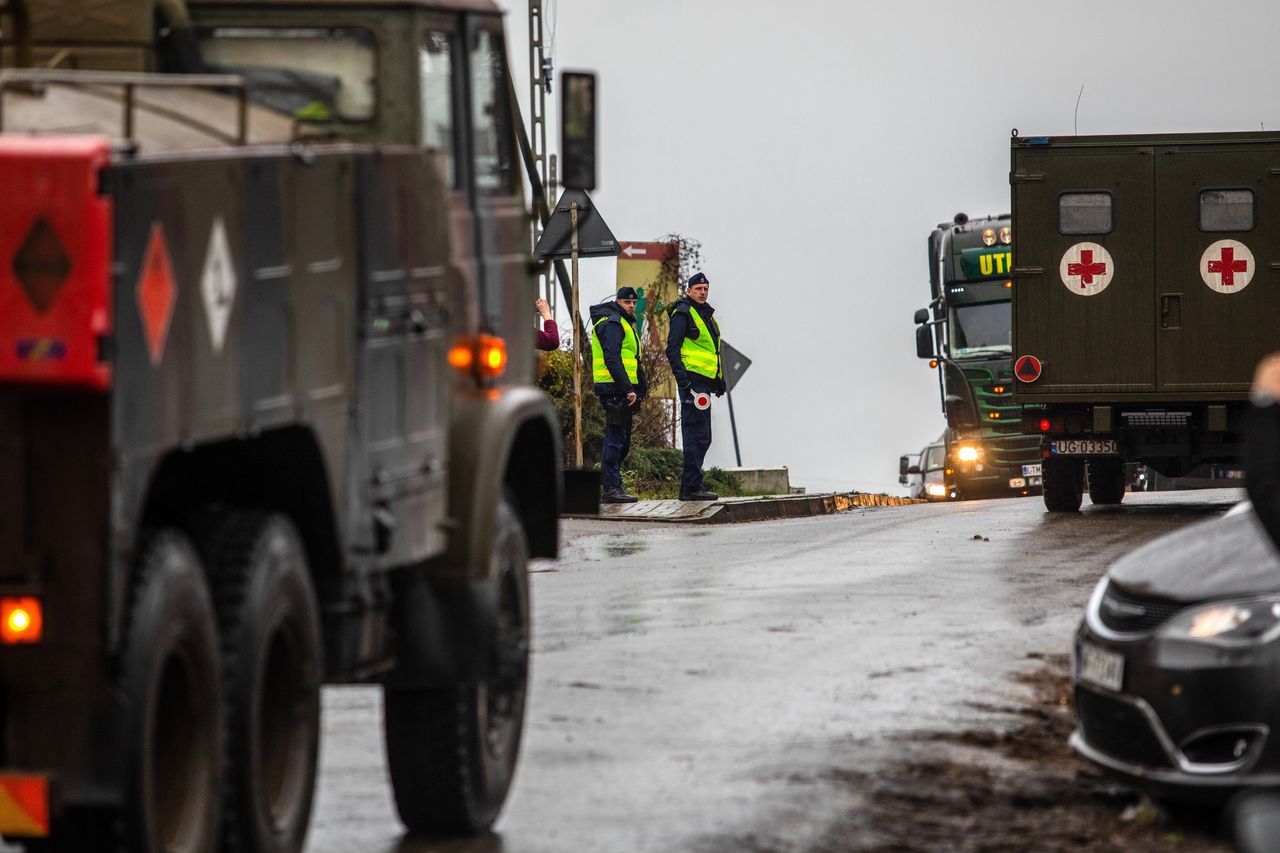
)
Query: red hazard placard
[
  {"x": 156, "y": 293},
  {"x": 1027, "y": 368}
]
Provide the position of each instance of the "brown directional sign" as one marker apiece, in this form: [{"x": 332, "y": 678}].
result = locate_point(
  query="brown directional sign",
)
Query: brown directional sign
[
  {"x": 734, "y": 364},
  {"x": 595, "y": 240}
]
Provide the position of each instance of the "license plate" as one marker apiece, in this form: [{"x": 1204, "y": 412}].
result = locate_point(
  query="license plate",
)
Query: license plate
[
  {"x": 1085, "y": 447},
  {"x": 1031, "y": 470},
  {"x": 1017, "y": 483},
  {"x": 1101, "y": 667}
]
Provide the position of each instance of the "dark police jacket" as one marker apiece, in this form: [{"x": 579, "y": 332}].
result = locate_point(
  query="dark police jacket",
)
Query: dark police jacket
[
  {"x": 682, "y": 326},
  {"x": 610, "y": 334}
]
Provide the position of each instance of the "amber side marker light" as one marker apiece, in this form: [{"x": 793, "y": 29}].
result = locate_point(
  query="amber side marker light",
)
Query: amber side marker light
[
  {"x": 479, "y": 355},
  {"x": 21, "y": 620}
]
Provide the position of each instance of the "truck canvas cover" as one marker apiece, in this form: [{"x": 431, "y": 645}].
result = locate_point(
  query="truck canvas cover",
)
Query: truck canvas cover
[{"x": 1146, "y": 268}]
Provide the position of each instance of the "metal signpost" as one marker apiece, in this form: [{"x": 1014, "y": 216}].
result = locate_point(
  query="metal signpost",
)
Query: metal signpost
[
  {"x": 575, "y": 221},
  {"x": 734, "y": 364}
]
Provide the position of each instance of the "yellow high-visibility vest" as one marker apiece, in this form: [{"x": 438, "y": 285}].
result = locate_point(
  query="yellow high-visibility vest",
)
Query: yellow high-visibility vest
[
  {"x": 630, "y": 353},
  {"x": 701, "y": 355}
]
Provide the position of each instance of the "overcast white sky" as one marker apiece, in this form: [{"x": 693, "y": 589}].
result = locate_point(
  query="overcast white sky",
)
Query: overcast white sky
[{"x": 812, "y": 145}]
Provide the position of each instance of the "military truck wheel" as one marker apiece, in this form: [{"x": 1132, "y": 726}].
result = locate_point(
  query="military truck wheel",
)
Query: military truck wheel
[
  {"x": 452, "y": 751},
  {"x": 1063, "y": 484},
  {"x": 169, "y": 700},
  {"x": 1106, "y": 481},
  {"x": 273, "y": 666}
]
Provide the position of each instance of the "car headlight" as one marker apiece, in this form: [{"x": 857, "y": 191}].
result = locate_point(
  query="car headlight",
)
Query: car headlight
[
  {"x": 936, "y": 490},
  {"x": 967, "y": 453},
  {"x": 1229, "y": 623}
]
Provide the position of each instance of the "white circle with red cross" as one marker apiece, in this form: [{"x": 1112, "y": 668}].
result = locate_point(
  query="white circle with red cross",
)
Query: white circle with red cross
[
  {"x": 1086, "y": 269},
  {"x": 1227, "y": 266}
]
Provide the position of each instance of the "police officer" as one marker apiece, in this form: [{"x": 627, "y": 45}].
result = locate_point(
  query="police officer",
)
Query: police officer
[
  {"x": 693, "y": 349},
  {"x": 619, "y": 383}
]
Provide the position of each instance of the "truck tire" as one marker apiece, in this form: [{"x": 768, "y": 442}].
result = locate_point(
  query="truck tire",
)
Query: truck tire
[
  {"x": 1063, "y": 483},
  {"x": 170, "y": 703},
  {"x": 452, "y": 751},
  {"x": 273, "y": 666},
  {"x": 1106, "y": 481}
]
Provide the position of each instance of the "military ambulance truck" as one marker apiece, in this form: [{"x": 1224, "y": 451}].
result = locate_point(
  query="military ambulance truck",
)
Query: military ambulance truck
[
  {"x": 266, "y": 414},
  {"x": 1146, "y": 287},
  {"x": 966, "y": 330}
]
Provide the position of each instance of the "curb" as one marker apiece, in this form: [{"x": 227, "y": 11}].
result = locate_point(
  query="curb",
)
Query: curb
[{"x": 738, "y": 510}]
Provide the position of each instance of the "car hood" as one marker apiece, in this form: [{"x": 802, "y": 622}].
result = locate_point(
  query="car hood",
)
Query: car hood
[{"x": 1223, "y": 557}]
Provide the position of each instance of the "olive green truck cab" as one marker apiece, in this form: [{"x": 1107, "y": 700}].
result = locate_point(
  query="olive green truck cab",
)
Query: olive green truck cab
[
  {"x": 1145, "y": 291},
  {"x": 965, "y": 331}
]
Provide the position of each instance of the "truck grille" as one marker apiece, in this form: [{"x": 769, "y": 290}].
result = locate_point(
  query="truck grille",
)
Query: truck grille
[
  {"x": 1118, "y": 729},
  {"x": 1131, "y": 614}
]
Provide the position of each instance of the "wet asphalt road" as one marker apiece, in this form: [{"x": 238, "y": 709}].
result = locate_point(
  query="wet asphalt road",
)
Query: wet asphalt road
[{"x": 685, "y": 678}]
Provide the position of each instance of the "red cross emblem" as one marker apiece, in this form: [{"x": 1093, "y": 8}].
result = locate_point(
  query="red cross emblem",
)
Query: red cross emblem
[
  {"x": 1087, "y": 268},
  {"x": 1227, "y": 266}
]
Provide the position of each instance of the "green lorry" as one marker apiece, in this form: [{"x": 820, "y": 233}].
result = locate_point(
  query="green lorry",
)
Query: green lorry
[
  {"x": 1136, "y": 318},
  {"x": 965, "y": 331}
]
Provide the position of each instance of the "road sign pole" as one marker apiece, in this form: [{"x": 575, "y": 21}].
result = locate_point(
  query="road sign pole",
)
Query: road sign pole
[
  {"x": 733, "y": 427},
  {"x": 577, "y": 343}
]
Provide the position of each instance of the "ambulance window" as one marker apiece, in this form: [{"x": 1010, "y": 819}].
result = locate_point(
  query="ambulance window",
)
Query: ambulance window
[
  {"x": 1226, "y": 210},
  {"x": 490, "y": 121},
  {"x": 1084, "y": 213},
  {"x": 435, "y": 74}
]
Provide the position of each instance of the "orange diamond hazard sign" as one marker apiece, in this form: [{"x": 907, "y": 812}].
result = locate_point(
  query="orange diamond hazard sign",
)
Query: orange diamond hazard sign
[
  {"x": 156, "y": 293},
  {"x": 24, "y": 805}
]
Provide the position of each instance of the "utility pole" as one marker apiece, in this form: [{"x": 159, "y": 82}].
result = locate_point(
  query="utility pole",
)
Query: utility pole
[{"x": 539, "y": 83}]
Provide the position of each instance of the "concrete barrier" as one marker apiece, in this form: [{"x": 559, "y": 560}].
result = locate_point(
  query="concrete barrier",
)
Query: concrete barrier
[{"x": 735, "y": 510}]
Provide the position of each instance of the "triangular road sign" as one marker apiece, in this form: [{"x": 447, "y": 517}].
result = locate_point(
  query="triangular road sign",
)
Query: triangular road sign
[
  {"x": 595, "y": 240},
  {"x": 734, "y": 364}
]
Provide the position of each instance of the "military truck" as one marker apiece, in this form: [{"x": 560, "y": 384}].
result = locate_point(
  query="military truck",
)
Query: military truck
[
  {"x": 966, "y": 331},
  {"x": 1137, "y": 320},
  {"x": 266, "y": 414}
]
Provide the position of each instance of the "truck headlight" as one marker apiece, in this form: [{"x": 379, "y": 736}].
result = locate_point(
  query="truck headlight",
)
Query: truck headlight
[
  {"x": 1228, "y": 623},
  {"x": 967, "y": 453}
]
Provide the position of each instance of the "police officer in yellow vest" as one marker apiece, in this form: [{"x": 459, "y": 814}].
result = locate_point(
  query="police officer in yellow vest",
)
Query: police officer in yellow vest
[
  {"x": 619, "y": 383},
  {"x": 693, "y": 350}
]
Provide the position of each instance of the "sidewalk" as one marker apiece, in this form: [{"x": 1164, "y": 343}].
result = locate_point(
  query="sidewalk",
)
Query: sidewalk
[{"x": 732, "y": 510}]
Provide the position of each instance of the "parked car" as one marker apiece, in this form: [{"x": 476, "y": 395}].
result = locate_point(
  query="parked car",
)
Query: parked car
[{"x": 1177, "y": 663}]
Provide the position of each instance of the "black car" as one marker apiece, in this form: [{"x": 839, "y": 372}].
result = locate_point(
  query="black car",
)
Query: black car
[{"x": 1177, "y": 663}]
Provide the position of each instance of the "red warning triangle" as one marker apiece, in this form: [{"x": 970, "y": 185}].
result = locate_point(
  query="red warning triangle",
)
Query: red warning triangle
[{"x": 1028, "y": 368}]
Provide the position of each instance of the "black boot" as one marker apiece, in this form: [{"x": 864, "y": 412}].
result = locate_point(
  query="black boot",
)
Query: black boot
[
  {"x": 703, "y": 495},
  {"x": 617, "y": 496}
]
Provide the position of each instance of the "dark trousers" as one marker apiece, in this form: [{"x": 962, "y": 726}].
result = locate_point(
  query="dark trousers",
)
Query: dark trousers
[
  {"x": 695, "y": 430},
  {"x": 617, "y": 441}
]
